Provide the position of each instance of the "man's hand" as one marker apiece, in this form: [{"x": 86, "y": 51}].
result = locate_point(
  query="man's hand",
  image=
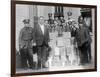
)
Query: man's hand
[
  {"x": 34, "y": 44},
  {"x": 18, "y": 52},
  {"x": 20, "y": 46}
]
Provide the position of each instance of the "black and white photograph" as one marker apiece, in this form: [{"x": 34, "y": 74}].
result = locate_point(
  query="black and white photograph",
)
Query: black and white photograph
[{"x": 52, "y": 38}]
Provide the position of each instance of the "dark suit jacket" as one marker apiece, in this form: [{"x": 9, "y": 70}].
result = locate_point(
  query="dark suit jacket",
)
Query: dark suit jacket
[
  {"x": 39, "y": 36},
  {"x": 83, "y": 36}
]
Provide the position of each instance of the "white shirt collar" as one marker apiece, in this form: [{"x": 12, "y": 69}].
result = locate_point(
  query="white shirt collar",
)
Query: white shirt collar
[{"x": 42, "y": 28}]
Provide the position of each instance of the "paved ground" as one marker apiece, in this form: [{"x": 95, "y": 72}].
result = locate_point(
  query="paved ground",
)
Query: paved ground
[{"x": 87, "y": 66}]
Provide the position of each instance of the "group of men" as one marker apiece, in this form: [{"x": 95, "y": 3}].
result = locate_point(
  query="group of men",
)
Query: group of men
[
  {"x": 80, "y": 32},
  {"x": 35, "y": 40},
  {"x": 57, "y": 23}
]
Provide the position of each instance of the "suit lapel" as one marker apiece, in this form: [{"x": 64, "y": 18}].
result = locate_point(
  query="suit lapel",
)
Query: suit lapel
[{"x": 44, "y": 29}]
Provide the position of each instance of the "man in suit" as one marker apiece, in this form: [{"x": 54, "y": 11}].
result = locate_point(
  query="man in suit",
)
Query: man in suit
[
  {"x": 25, "y": 45},
  {"x": 41, "y": 41},
  {"x": 84, "y": 41}
]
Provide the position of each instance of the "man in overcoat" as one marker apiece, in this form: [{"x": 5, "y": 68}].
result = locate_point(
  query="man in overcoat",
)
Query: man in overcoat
[{"x": 83, "y": 41}]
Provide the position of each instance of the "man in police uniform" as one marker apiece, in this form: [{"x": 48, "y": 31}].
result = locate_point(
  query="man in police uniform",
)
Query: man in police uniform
[{"x": 25, "y": 45}]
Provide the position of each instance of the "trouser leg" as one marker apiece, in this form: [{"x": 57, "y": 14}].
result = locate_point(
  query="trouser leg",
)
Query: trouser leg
[
  {"x": 43, "y": 56},
  {"x": 85, "y": 54},
  {"x": 23, "y": 53},
  {"x": 80, "y": 54},
  {"x": 89, "y": 53},
  {"x": 30, "y": 58},
  {"x": 39, "y": 56}
]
